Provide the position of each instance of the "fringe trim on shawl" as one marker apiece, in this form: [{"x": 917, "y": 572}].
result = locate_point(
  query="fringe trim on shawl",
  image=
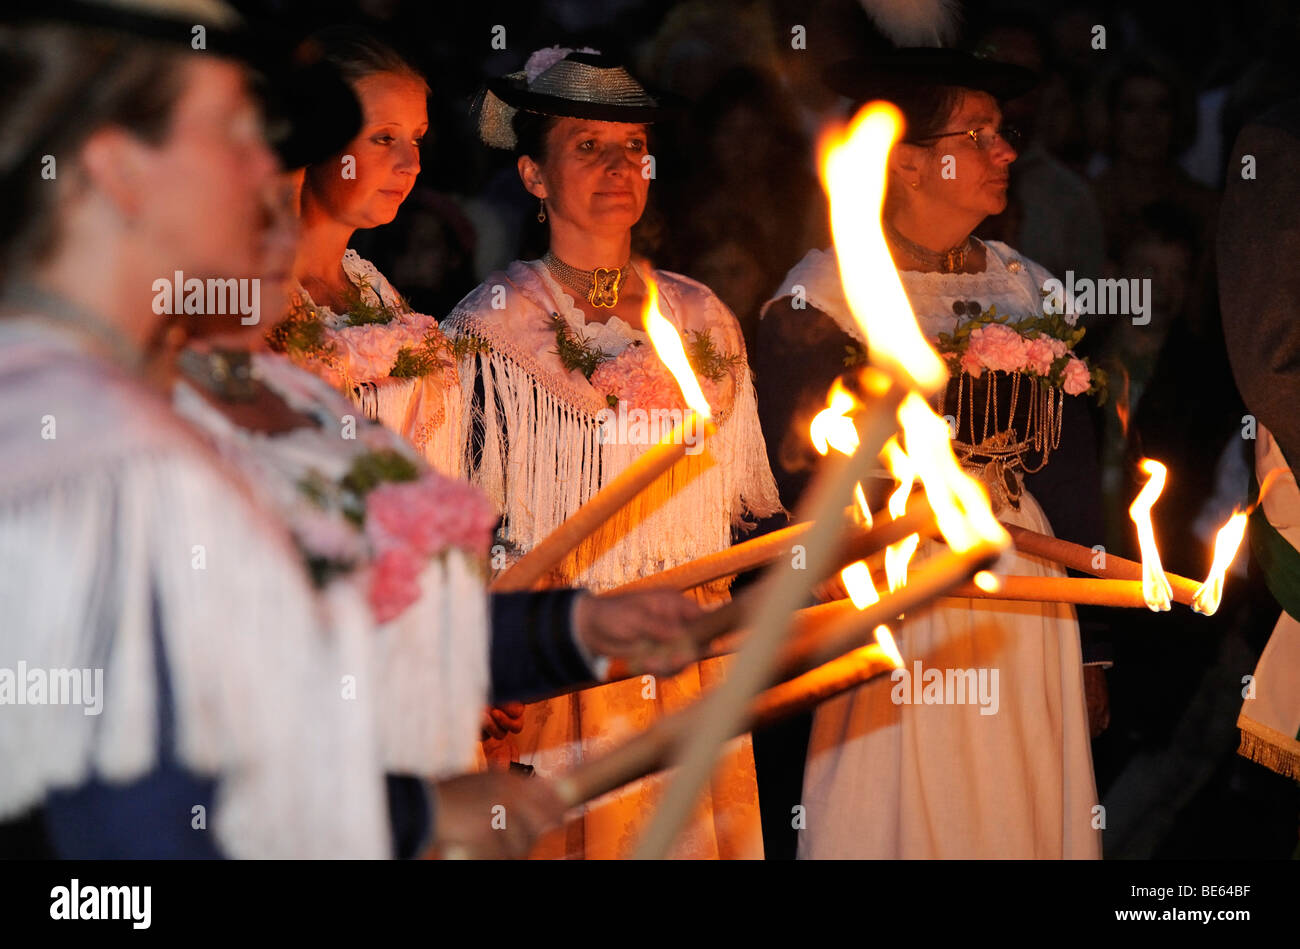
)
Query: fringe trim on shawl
[
  {"x": 254, "y": 680},
  {"x": 433, "y": 658},
  {"x": 1269, "y": 747},
  {"x": 433, "y": 669},
  {"x": 547, "y": 460},
  {"x": 426, "y": 412}
]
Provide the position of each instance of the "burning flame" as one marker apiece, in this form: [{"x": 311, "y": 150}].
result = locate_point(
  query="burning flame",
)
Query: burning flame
[
  {"x": 832, "y": 427},
  {"x": 669, "y": 349},
  {"x": 864, "y": 510},
  {"x": 899, "y": 555},
  {"x": 862, "y": 591},
  {"x": 1121, "y": 403},
  {"x": 1210, "y": 593},
  {"x": 988, "y": 582},
  {"x": 961, "y": 508},
  {"x": 1156, "y": 590},
  {"x": 854, "y": 171},
  {"x": 900, "y": 466},
  {"x": 857, "y": 580},
  {"x": 886, "y": 642}
]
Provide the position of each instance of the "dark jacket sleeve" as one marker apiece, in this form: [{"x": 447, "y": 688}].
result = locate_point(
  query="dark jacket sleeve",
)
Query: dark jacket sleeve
[
  {"x": 1258, "y": 247},
  {"x": 797, "y": 355},
  {"x": 533, "y": 650}
]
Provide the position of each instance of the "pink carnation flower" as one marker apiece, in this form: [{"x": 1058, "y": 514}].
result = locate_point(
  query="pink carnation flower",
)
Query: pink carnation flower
[
  {"x": 1077, "y": 377},
  {"x": 428, "y": 516},
  {"x": 394, "y": 583},
  {"x": 416, "y": 326},
  {"x": 1039, "y": 355},
  {"x": 970, "y": 363},
  {"x": 366, "y": 353},
  {"x": 637, "y": 377},
  {"x": 998, "y": 347}
]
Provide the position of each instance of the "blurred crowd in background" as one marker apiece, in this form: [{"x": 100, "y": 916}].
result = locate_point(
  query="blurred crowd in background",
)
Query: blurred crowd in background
[{"x": 1126, "y": 142}]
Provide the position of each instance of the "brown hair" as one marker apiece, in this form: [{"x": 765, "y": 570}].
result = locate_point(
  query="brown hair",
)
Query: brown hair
[
  {"x": 925, "y": 106},
  {"x": 356, "y": 55},
  {"x": 58, "y": 85}
]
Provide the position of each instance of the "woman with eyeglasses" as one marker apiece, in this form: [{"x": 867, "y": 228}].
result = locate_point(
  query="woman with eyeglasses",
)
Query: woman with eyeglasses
[{"x": 896, "y": 768}]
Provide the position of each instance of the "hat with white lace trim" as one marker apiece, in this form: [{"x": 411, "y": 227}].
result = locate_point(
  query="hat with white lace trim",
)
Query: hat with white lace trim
[{"x": 580, "y": 84}]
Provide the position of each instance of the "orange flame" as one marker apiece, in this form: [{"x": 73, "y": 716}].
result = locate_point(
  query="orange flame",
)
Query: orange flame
[
  {"x": 1121, "y": 403},
  {"x": 960, "y": 504},
  {"x": 832, "y": 427},
  {"x": 900, "y": 466},
  {"x": 886, "y": 642},
  {"x": 669, "y": 349},
  {"x": 864, "y": 510},
  {"x": 899, "y": 555},
  {"x": 988, "y": 582},
  {"x": 862, "y": 591},
  {"x": 857, "y": 580},
  {"x": 854, "y": 171},
  {"x": 1209, "y": 594},
  {"x": 1156, "y": 590}
]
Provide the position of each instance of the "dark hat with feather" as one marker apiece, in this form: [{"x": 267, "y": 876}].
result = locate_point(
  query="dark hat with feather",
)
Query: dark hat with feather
[{"x": 912, "y": 48}]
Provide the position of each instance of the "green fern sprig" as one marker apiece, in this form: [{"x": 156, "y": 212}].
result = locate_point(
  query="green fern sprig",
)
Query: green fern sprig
[
  {"x": 707, "y": 360},
  {"x": 574, "y": 353},
  {"x": 361, "y": 312},
  {"x": 300, "y": 335}
]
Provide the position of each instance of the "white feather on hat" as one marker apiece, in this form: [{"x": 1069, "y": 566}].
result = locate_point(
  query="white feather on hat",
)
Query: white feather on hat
[{"x": 915, "y": 22}]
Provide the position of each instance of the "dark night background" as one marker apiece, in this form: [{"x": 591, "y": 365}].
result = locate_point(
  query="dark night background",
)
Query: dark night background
[{"x": 1121, "y": 177}]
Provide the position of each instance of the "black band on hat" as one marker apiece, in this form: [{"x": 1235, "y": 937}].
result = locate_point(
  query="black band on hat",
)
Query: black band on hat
[
  {"x": 565, "y": 107},
  {"x": 864, "y": 77}
]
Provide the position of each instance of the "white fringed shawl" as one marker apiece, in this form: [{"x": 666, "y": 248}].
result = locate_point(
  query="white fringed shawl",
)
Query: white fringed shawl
[
  {"x": 426, "y": 411},
  {"x": 432, "y": 659},
  {"x": 541, "y": 452},
  {"x": 123, "y": 516}
]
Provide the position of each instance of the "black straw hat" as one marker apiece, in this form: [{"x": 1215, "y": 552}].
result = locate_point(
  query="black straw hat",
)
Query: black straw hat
[
  {"x": 311, "y": 111},
  {"x": 580, "y": 85}
]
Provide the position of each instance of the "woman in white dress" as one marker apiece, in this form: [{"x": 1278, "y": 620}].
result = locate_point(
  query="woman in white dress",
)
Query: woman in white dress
[
  {"x": 1010, "y": 777},
  {"x": 564, "y": 361},
  {"x": 214, "y": 677},
  {"x": 346, "y": 321}
]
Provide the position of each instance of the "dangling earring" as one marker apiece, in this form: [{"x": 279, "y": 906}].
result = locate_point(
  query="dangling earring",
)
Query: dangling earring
[
  {"x": 541, "y": 211},
  {"x": 915, "y": 185}
]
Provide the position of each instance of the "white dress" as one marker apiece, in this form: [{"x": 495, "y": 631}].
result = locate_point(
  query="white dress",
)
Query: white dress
[
  {"x": 920, "y": 781},
  {"x": 428, "y": 675},
  {"x": 541, "y": 457},
  {"x": 121, "y": 534}
]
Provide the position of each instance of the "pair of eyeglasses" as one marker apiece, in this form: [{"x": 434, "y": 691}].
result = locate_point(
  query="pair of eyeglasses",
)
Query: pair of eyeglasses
[{"x": 983, "y": 137}]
